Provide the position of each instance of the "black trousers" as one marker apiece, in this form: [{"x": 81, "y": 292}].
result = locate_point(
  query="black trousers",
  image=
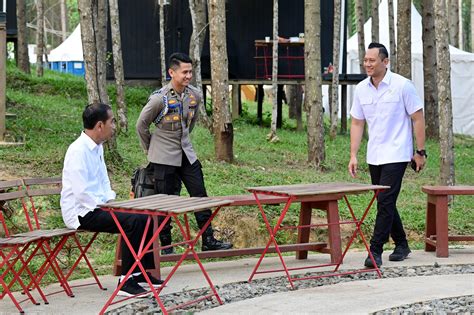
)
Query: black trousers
[
  {"x": 167, "y": 180},
  {"x": 388, "y": 221},
  {"x": 133, "y": 225}
]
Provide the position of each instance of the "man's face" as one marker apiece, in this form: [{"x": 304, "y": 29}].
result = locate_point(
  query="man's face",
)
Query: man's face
[
  {"x": 373, "y": 64},
  {"x": 182, "y": 75},
  {"x": 107, "y": 128}
]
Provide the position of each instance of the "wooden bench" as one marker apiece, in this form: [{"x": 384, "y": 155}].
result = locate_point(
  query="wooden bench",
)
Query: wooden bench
[
  {"x": 436, "y": 229},
  {"x": 301, "y": 248}
]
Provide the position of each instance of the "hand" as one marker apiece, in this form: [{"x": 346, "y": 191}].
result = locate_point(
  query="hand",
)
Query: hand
[
  {"x": 352, "y": 167},
  {"x": 420, "y": 162}
]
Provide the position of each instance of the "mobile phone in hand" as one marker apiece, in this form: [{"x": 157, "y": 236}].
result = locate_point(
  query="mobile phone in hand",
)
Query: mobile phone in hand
[{"x": 413, "y": 164}]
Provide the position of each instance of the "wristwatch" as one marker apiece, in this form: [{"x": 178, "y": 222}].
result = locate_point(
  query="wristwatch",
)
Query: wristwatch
[{"x": 422, "y": 152}]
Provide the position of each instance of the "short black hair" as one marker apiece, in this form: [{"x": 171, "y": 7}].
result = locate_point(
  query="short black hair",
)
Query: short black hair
[
  {"x": 383, "y": 52},
  {"x": 95, "y": 112},
  {"x": 176, "y": 59}
]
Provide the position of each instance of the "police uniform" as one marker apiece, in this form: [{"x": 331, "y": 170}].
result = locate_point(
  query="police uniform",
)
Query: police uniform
[{"x": 169, "y": 147}]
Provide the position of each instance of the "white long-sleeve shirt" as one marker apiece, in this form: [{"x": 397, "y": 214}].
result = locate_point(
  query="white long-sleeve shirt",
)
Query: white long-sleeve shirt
[{"x": 85, "y": 182}]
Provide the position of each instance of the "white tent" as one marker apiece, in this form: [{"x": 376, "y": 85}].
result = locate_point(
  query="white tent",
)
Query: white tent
[
  {"x": 70, "y": 49},
  {"x": 462, "y": 67}
]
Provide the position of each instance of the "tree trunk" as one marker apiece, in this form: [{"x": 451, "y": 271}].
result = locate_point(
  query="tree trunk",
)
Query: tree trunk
[
  {"x": 272, "y": 136},
  {"x": 335, "y": 74},
  {"x": 359, "y": 12},
  {"x": 429, "y": 71},
  {"x": 222, "y": 122},
  {"x": 472, "y": 26},
  {"x": 404, "y": 38},
  {"x": 375, "y": 20},
  {"x": 391, "y": 33},
  {"x": 162, "y": 43},
  {"x": 63, "y": 19},
  {"x": 313, "y": 93},
  {"x": 93, "y": 19},
  {"x": 39, "y": 37},
  {"x": 118, "y": 65},
  {"x": 198, "y": 18},
  {"x": 294, "y": 95},
  {"x": 22, "y": 45},
  {"x": 444, "y": 95},
  {"x": 453, "y": 14}
]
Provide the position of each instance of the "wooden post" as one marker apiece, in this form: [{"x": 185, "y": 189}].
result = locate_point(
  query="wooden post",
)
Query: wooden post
[
  {"x": 3, "y": 75},
  {"x": 235, "y": 101},
  {"x": 260, "y": 96},
  {"x": 279, "y": 105}
]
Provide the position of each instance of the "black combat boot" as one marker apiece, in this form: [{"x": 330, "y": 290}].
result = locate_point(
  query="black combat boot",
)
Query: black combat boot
[
  {"x": 210, "y": 243},
  {"x": 165, "y": 240}
]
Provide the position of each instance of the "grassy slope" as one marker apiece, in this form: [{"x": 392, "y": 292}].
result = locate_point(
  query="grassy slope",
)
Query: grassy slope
[{"x": 49, "y": 119}]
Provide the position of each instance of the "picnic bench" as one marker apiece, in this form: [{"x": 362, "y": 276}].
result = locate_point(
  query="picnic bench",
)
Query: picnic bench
[
  {"x": 333, "y": 247},
  {"x": 436, "y": 229}
]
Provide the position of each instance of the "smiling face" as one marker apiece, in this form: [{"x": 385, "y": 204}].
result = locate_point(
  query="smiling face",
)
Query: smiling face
[
  {"x": 374, "y": 66},
  {"x": 181, "y": 75}
]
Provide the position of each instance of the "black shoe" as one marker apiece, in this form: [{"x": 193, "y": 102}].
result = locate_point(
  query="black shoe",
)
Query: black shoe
[
  {"x": 132, "y": 288},
  {"x": 378, "y": 260},
  {"x": 167, "y": 251},
  {"x": 140, "y": 279},
  {"x": 210, "y": 243},
  {"x": 399, "y": 253}
]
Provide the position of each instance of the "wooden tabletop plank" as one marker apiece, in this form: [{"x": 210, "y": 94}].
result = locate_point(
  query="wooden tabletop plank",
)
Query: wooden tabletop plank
[
  {"x": 449, "y": 190},
  {"x": 167, "y": 203},
  {"x": 317, "y": 188}
]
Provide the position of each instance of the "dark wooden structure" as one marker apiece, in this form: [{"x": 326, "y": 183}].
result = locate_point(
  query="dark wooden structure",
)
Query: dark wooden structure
[
  {"x": 436, "y": 229},
  {"x": 12, "y": 30}
]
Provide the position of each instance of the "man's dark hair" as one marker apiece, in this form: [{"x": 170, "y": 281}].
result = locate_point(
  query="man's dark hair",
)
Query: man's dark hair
[
  {"x": 93, "y": 113},
  {"x": 383, "y": 53},
  {"x": 176, "y": 59}
]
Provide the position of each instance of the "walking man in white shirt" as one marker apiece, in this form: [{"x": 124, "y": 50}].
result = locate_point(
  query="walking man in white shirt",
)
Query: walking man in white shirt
[
  {"x": 86, "y": 184},
  {"x": 389, "y": 104}
]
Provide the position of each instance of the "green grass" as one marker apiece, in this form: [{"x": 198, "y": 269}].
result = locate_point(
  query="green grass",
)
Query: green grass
[{"x": 48, "y": 119}]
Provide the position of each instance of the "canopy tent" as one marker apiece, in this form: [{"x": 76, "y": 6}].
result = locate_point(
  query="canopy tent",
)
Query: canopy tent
[
  {"x": 68, "y": 56},
  {"x": 462, "y": 67}
]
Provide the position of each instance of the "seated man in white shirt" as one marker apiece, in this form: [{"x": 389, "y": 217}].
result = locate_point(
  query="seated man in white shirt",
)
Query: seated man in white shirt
[{"x": 85, "y": 184}]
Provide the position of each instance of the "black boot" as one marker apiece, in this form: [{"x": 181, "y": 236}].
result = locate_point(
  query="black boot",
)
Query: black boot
[
  {"x": 210, "y": 243},
  {"x": 165, "y": 240}
]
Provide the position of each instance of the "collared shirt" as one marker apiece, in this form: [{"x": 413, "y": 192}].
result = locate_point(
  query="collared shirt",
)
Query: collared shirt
[
  {"x": 170, "y": 139},
  {"x": 85, "y": 180},
  {"x": 387, "y": 111}
]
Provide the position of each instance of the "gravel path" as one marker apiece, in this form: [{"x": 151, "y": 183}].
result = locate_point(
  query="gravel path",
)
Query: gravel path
[{"x": 233, "y": 292}]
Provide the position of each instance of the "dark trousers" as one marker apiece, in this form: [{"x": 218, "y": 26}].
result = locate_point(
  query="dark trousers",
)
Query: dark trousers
[
  {"x": 133, "y": 225},
  {"x": 388, "y": 220},
  {"x": 168, "y": 177}
]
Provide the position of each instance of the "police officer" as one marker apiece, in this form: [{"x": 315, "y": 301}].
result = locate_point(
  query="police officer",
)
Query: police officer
[{"x": 173, "y": 109}]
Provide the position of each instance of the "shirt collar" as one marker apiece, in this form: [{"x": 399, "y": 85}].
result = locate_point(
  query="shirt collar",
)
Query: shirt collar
[
  {"x": 91, "y": 145},
  {"x": 386, "y": 79},
  {"x": 185, "y": 91}
]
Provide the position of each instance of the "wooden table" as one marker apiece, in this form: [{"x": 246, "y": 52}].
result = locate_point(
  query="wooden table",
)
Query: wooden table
[
  {"x": 314, "y": 194},
  {"x": 436, "y": 229},
  {"x": 167, "y": 207}
]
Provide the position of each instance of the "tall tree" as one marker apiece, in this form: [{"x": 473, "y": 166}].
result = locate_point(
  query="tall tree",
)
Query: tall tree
[
  {"x": 198, "y": 18},
  {"x": 429, "y": 71},
  {"x": 472, "y": 25},
  {"x": 63, "y": 4},
  {"x": 272, "y": 136},
  {"x": 453, "y": 14},
  {"x": 375, "y": 20},
  {"x": 391, "y": 32},
  {"x": 404, "y": 38},
  {"x": 118, "y": 64},
  {"x": 335, "y": 74},
  {"x": 22, "y": 45},
  {"x": 294, "y": 95},
  {"x": 161, "y": 4},
  {"x": 443, "y": 79},
  {"x": 222, "y": 121},
  {"x": 39, "y": 37},
  {"x": 359, "y": 13},
  {"x": 93, "y": 19},
  {"x": 313, "y": 93}
]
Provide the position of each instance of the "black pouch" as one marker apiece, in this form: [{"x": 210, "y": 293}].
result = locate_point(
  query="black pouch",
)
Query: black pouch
[{"x": 143, "y": 181}]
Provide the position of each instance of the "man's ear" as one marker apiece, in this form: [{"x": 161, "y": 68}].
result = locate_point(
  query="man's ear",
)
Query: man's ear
[{"x": 170, "y": 72}]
